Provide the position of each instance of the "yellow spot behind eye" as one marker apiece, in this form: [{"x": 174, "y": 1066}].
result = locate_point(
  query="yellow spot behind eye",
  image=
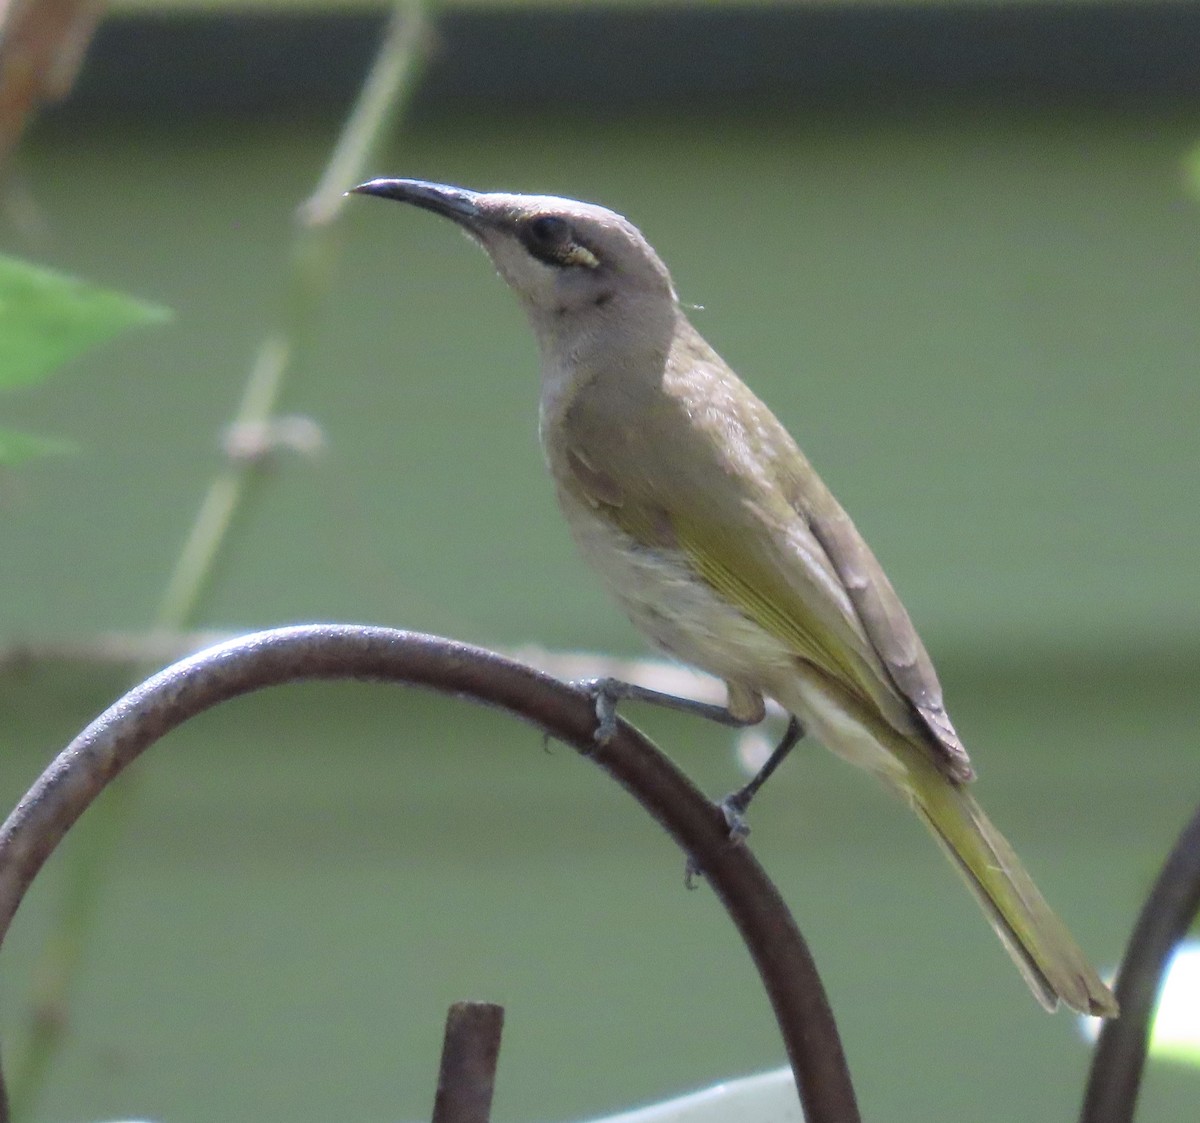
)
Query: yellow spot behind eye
[{"x": 580, "y": 255}]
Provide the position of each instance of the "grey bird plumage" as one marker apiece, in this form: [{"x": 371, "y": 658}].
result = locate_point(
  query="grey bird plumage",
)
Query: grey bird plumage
[{"x": 715, "y": 535}]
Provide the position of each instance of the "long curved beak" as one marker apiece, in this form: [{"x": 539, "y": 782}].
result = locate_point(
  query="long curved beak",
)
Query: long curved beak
[{"x": 455, "y": 203}]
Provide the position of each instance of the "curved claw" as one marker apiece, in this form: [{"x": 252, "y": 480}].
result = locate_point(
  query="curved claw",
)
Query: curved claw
[
  {"x": 606, "y": 716},
  {"x": 734, "y": 810},
  {"x": 605, "y": 692}
]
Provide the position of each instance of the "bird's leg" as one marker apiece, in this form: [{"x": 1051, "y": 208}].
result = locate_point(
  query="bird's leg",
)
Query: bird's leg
[
  {"x": 609, "y": 691},
  {"x": 734, "y": 806}
]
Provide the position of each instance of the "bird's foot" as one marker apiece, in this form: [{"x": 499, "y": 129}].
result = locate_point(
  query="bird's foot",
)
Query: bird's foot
[
  {"x": 735, "y": 820},
  {"x": 605, "y": 693},
  {"x": 733, "y": 807}
]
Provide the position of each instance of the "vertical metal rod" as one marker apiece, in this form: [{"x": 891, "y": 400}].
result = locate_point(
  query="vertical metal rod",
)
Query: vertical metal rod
[{"x": 469, "y": 1053}]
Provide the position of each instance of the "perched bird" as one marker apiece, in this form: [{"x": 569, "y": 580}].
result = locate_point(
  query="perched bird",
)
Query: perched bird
[{"x": 710, "y": 528}]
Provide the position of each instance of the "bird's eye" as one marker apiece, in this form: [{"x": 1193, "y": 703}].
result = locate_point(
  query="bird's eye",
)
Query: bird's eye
[
  {"x": 549, "y": 230},
  {"x": 553, "y": 241}
]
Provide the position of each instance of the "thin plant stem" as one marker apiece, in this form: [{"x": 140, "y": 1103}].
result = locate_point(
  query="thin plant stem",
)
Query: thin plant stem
[
  {"x": 388, "y": 86},
  {"x": 386, "y": 91}
]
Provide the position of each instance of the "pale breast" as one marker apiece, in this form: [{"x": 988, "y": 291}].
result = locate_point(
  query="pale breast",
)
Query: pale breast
[
  {"x": 671, "y": 606},
  {"x": 681, "y": 615}
]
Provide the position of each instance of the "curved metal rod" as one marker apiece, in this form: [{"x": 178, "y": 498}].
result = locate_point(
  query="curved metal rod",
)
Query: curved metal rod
[
  {"x": 141, "y": 717},
  {"x": 1120, "y": 1053}
]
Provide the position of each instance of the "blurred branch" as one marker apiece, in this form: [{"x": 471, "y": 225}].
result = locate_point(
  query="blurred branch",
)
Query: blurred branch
[
  {"x": 137, "y": 649},
  {"x": 389, "y": 83},
  {"x": 141, "y": 649},
  {"x": 125, "y": 650},
  {"x": 42, "y": 44},
  {"x": 116, "y": 738},
  {"x": 1120, "y": 1053}
]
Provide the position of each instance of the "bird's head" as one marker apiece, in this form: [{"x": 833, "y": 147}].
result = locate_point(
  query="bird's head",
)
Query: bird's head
[{"x": 570, "y": 263}]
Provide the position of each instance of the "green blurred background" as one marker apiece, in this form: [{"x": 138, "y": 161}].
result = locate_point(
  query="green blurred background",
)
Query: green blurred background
[{"x": 977, "y": 310}]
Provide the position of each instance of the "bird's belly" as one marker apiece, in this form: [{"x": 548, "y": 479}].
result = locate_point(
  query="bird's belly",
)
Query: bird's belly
[
  {"x": 675, "y": 608},
  {"x": 670, "y": 604},
  {"x": 842, "y": 726}
]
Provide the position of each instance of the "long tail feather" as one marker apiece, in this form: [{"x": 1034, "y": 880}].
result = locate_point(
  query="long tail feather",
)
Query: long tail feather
[{"x": 1045, "y": 953}]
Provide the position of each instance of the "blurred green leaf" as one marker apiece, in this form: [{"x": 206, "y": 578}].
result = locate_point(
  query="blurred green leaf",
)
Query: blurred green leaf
[
  {"x": 47, "y": 318},
  {"x": 15, "y": 448}
]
